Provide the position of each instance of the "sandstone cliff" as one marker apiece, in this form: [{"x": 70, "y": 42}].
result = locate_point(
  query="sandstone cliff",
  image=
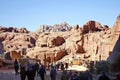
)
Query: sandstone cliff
[
  {"x": 89, "y": 42},
  {"x": 15, "y": 40},
  {"x": 92, "y": 42}
]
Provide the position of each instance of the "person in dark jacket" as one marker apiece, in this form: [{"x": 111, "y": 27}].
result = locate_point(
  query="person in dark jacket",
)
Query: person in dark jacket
[
  {"x": 66, "y": 66},
  {"x": 64, "y": 75},
  {"x": 53, "y": 73},
  {"x": 42, "y": 72},
  {"x": 22, "y": 72},
  {"x": 16, "y": 66},
  {"x": 103, "y": 76},
  {"x": 74, "y": 76},
  {"x": 30, "y": 71},
  {"x": 62, "y": 66},
  {"x": 36, "y": 67}
]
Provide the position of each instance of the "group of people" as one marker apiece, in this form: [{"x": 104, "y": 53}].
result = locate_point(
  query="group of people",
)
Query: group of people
[
  {"x": 31, "y": 70},
  {"x": 28, "y": 70},
  {"x": 74, "y": 75}
]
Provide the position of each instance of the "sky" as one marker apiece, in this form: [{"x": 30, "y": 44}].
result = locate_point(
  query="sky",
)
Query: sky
[{"x": 33, "y": 13}]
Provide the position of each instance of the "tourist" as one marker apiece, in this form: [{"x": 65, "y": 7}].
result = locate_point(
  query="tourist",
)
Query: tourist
[
  {"x": 66, "y": 66},
  {"x": 22, "y": 72},
  {"x": 30, "y": 71},
  {"x": 53, "y": 73},
  {"x": 62, "y": 66},
  {"x": 57, "y": 66},
  {"x": 88, "y": 76},
  {"x": 34, "y": 70},
  {"x": 69, "y": 74},
  {"x": 42, "y": 72},
  {"x": 103, "y": 76},
  {"x": 81, "y": 76},
  {"x": 16, "y": 66},
  {"x": 64, "y": 75},
  {"x": 74, "y": 76},
  {"x": 36, "y": 67}
]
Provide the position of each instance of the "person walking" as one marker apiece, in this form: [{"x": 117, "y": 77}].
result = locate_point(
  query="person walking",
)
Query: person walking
[
  {"x": 42, "y": 72},
  {"x": 16, "y": 66},
  {"x": 74, "y": 76},
  {"x": 30, "y": 71},
  {"x": 66, "y": 65},
  {"x": 62, "y": 66},
  {"x": 103, "y": 76},
  {"x": 69, "y": 74},
  {"x": 64, "y": 75},
  {"x": 22, "y": 72},
  {"x": 53, "y": 73},
  {"x": 36, "y": 68}
]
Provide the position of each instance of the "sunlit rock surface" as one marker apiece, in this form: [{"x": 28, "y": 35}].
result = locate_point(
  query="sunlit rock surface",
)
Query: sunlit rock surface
[{"x": 92, "y": 42}]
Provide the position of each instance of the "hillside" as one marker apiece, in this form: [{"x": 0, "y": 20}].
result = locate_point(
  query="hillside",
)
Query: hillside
[{"x": 90, "y": 42}]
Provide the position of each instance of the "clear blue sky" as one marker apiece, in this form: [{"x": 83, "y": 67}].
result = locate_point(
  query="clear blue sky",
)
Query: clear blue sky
[{"x": 33, "y": 13}]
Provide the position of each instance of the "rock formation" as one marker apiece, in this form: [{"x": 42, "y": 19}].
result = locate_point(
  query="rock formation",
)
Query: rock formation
[
  {"x": 92, "y": 26},
  {"x": 11, "y": 29},
  {"x": 92, "y": 42},
  {"x": 16, "y": 41},
  {"x": 55, "y": 28}
]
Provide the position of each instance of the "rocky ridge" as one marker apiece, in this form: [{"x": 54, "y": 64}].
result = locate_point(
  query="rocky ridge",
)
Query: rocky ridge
[
  {"x": 63, "y": 27},
  {"x": 91, "y": 42}
]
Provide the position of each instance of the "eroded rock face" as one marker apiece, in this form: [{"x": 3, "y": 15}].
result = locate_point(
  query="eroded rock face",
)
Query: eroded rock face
[
  {"x": 13, "y": 41},
  {"x": 55, "y": 28},
  {"x": 95, "y": 44},
  {"x": 93, "y": 41},
  {"x": 11, "y": 29},
  {"x": 49, "y": 40},
  {"x": 47, "y": 54},
  {"x": 92, "y": 26},
  {"x": 16, "y": 41}
]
